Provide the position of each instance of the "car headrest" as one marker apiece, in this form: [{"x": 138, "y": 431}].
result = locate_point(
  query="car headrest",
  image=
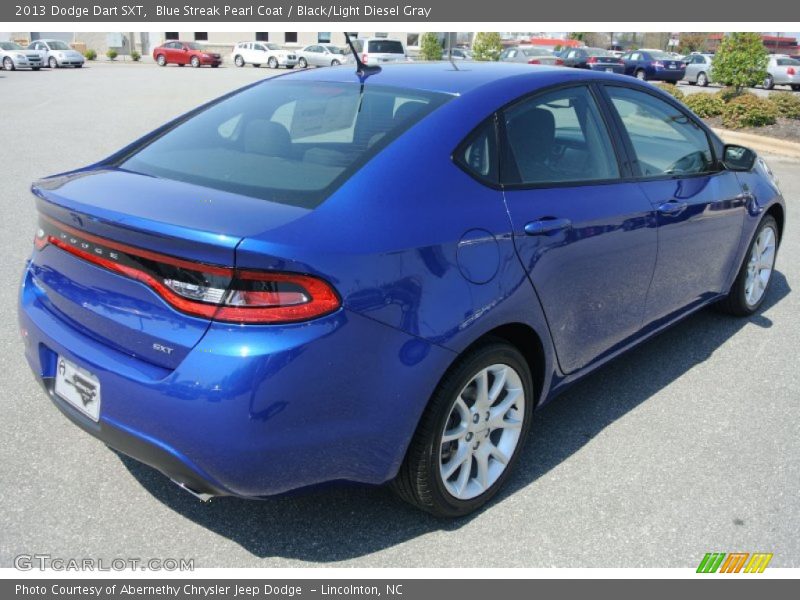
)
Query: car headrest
[
  {"x": 532, "y": 134},
  {"x": 266, "y": 137}
]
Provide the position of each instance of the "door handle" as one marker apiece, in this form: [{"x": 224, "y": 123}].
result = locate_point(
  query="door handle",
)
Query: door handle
[
  {"x": 673, "y": 207},
  {"x": 545, "y": 226}
]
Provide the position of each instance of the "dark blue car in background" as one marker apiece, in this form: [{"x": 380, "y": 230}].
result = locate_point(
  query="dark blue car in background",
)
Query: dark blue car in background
[
  {"x": 379, "y": 277},
  {"x": 653, "y": 65}
]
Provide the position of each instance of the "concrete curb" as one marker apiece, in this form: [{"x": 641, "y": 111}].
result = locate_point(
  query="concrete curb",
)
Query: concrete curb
[{"x": 760, "y": 143}]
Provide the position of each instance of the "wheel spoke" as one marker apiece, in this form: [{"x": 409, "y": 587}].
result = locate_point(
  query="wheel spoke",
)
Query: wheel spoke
[
  {"x": 497, "y": 413},
  {"x": 482, "y": 382},
  {"x": 498, "y": 454},
  {"x": 482, "y": 462},
  {"x": 463, "y": 476},
  {"x": 464, "y": 452},
  {"x": 458, "y": 432},
  {"x": 498, "y": 385}
]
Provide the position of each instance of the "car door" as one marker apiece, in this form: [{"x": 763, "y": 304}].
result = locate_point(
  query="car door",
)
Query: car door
[
  {"x": 693, "y": 67},
  {"x": 174, "y": 52},
  {"x": 584, "y": 233},
  {"x": 632, "y": 62},
  {"x": 700, "y": 206}
]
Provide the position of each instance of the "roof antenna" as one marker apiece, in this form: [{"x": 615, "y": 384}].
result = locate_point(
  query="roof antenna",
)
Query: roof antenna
[
  {"x": 362, "y": 70},
  {"x": 450, "y": 51}
]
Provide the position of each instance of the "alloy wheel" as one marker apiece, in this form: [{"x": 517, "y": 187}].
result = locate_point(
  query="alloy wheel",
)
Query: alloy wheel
[
  {"x": 760, "y": 265},
  {"x": 8, "y": 64},
  {"x": 482, "y": 431},
  {"x": 53, "y": 63}
]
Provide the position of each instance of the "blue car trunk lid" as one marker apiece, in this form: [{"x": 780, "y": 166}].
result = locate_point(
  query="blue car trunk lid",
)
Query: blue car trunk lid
[{"x": 98, "y": 221}]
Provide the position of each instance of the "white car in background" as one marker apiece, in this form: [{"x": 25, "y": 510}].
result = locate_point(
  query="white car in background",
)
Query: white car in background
[
  {"x": 56, "y": 53},
  {"x": 782, "y": 70},
  {"x": 380, "y": 50},
  {"x": 13, "y": 56},
  {"x": 263, "y": 53},
  {"x": 322, "y": 55}
]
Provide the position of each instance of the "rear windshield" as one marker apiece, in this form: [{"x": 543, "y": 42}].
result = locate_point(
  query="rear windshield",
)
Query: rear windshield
[
  {"x": 290, "y": 142},
  {"x": 788, "y": 62},
  {"x": 535, "y": 52},
  {"x": 385, "y": 47},
  {"x": 596, "y": 52},
  {"x": 661, "y": 56},
  {"x": 56, "y": 45}
]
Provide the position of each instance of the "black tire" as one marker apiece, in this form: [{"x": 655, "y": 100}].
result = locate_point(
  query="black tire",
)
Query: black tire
[
  {"x": 641, "y": 75},
  {"x": 335, "y": 63},
  {"x": 702, "y": 79},
  {"x": 195, "y": 62},
  {"x": 419, "y": 480},
  {"x": 238, "y": 61},
  {"x": 52, "y": 62},
  {"x": 303, "y": 63},
  {"x": 161, "y": 60},
  {"x": 8, "y": 64},
  {"x": 272, "y": 62},
  {"x": 769, "y": 82},
  {"x": 735, "y": 303}
]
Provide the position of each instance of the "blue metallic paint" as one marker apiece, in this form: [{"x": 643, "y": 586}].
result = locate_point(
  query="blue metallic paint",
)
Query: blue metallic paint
[{"x": 407, "y": 242}]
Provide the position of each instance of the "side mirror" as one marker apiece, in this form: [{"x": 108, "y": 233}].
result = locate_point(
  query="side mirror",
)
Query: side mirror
[{"x": 738, "y": 158}]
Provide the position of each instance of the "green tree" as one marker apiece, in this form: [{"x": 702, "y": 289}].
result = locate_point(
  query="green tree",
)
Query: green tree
[
  {"x": 487, "y": 46},
  {"x": 429, "y": 46},
  {"x": 741, "y": 61},
  {"x": 692, "y": 42}
]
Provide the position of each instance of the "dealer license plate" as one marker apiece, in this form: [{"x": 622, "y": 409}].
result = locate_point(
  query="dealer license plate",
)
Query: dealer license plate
[{"x": 78, "y": 387}]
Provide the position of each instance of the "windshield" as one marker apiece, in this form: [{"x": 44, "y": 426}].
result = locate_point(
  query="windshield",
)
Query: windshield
[
  {"x": 57, "y": 45},
  {"x": 535, "y": 52},
  {"x": 385, "y": 47},
  {"x": 10, "y": 46},
  {"x": 661, "y": 55},
  {"x": 273, "y": 46},
  {"x": 193, "y": 46},
  {"x": 290, "y": 142}
]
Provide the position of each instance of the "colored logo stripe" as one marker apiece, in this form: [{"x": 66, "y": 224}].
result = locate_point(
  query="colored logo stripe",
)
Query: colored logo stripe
[{"x": 735, "y": 561}]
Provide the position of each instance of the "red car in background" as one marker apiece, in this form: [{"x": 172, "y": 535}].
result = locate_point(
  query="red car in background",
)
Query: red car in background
[{"x": 185, "y": 53}]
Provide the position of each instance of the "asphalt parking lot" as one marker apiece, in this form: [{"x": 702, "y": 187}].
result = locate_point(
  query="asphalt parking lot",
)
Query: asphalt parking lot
[{"x": 688, "y": 445}]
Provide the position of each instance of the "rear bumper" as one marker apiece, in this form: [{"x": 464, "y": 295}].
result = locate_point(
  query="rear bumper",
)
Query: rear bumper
[
  {"x": 673, "y": 76},
  {"x": 618, "y": 69},
  {"x": 252, "y": 411}
]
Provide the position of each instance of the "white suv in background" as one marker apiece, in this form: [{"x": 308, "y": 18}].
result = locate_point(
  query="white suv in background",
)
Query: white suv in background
[
  {"x": 380, "y": 50},
  {"x": 263, "y": 53}
]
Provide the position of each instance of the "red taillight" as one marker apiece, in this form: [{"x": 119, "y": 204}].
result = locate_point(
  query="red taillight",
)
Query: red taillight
[
  {"x": 208, "y": 291},
  {"x": 559, "y": 62},
  {"x": 534, "y": 61},
  {"x": 365, "y": 58},
  {"x": 591, "y": 60},
  {"x": 790, "y": 71}
]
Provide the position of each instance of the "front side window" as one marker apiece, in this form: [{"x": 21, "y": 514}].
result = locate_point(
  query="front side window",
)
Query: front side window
[
  {"x": 665, "y": 139},
  {"x": 290, "y": 142},
  {"x": 557, "y": 137}
]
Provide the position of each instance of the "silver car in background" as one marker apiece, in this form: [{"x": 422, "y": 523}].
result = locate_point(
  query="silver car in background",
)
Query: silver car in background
[
  {"x": 783, "y": 70},
  {"x": 698, "y": 69},
  {"x": 531, "y": 55},
  {"x": 322, "y": 55},
  {"x": 56, "y": 53},
  {"x": 13, "y": 56},
  {"x": 263, "y": 53}
]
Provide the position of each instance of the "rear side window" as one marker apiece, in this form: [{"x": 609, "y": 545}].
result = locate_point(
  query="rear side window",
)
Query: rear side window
[
  {"x": 666, "y": 141},
  {"x": 290, "y": 142},
  {"x": 558, "y": 137},
  {"x": 385, "y": 47},
  {"x": 478, "y": 153}
]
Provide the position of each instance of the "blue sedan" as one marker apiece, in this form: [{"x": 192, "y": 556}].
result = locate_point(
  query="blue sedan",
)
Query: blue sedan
[
  {"x": 653, "y": 65},
  {"x": 379, "y": 277}
]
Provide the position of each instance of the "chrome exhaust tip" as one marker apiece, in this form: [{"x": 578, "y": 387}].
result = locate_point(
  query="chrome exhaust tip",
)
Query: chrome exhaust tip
[{"x": 202, "y": 496}]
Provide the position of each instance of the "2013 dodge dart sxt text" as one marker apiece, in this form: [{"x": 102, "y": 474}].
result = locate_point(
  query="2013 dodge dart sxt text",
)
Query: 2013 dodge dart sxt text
[{"x": 379, "y": 276}]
